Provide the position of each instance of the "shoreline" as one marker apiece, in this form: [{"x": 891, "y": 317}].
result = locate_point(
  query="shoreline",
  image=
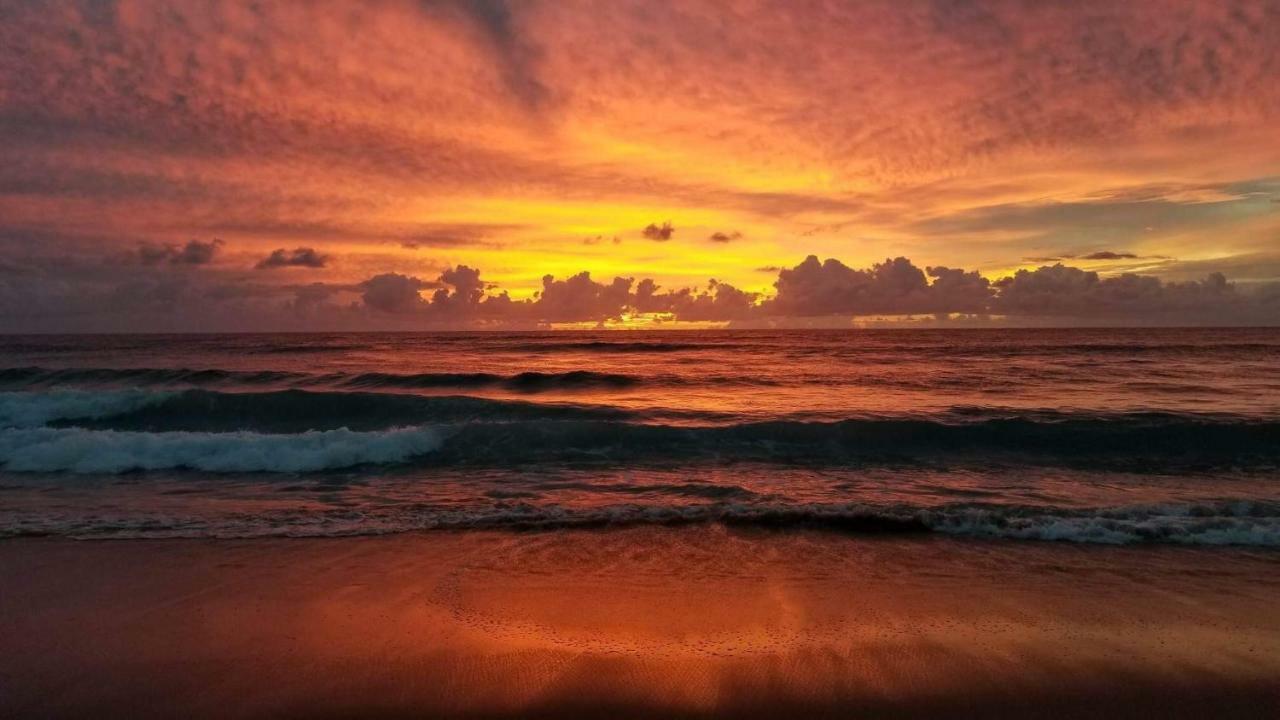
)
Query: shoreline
[{"x": 701, "y": 621}]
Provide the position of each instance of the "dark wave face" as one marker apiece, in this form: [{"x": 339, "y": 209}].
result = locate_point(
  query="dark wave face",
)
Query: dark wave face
[
  {"x": 500, "y": 432},
  {"x": 1168, "y": 436}
]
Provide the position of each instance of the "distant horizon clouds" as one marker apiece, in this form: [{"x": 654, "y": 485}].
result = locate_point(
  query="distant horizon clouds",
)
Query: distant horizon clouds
[{"x": 823, "y": 293}]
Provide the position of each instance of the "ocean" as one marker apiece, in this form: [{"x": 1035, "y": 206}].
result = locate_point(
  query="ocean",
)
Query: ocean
[{"x": 1118, "y": 436}]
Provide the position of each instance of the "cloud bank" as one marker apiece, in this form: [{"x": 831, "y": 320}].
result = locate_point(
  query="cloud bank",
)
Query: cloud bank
[
  {"x": 179, "y": 288},
  {"x": 1054, "y": 294}
]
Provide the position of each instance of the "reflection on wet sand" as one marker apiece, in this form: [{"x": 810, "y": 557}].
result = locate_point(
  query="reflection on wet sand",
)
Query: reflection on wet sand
[{"x": 694, "y": 621}]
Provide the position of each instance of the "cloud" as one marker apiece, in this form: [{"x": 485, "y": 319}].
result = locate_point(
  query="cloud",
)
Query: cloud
[
  {"x": 1109, "y": 255},
  {"x": 71, "y": 293},
  {"x": 579, "y": 298},
  {"x": 723, "y": 237},
  {"x": 393, "y": 293},
  {"x": 894, "y": 286},
  {"x": 718, "y": 303},
  {"x": 1062, "y": 291},
  {"x": 298, "y": 257},
  {"x": 459, "y": 299},
  {"x": 661, "y": 233},
  {"x": 194, "y": 252},
  {"x": 958, "y": 291},
  {"x": 463, "y": 299},
  {"x": 1095, "y": 255}
]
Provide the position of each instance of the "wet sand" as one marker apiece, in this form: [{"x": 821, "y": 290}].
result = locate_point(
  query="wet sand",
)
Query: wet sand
[{"x": 648, "y": 622}]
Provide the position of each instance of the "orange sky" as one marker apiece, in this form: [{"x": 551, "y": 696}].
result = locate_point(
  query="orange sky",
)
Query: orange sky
[{"x": 543, "y": 137}]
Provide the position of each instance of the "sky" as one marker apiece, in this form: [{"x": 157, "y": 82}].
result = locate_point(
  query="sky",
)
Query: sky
[{"x": 462, "y": 163}]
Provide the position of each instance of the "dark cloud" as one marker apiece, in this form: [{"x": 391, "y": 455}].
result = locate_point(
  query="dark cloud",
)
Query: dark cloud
[
  {"x": 194, "y": 252},
  {"x": 958, "y": 291},
  {"x": 579, "y": 298},
  {"x": 298, "y": 257},
  {"x": 462, "y": 298},
  {"x": 1095, "y": 255},
  {"x": 313, "y": 300},
  {"x": 719, "y": 302},
  {"x": 895, "y": 286},
  {"x": 460, "y": 291},
  {"x": 818, "y": 289},
  {"x": 70, "y": 293},
  {"x": 1062, "y": 291},
  {"x": 393, "y": 293},
  {"x": 723, "y": 237},
  {"x": 1109, "y": 255},
  {"x": 661, "y": 233},
  {"x": 459, "y": 299}
]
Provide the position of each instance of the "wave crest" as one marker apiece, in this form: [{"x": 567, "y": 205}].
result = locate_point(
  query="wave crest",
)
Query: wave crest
[
  {"x": 497, "y": 432},
  {"x": 25, "y": 409},
  {"x": 108, "y": 451}
]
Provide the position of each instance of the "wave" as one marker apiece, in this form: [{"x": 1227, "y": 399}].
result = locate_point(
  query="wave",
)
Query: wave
[
  {"x": 998, "y": 350},
  {"x": 36, "y": 377},
  {"x": 304, "y": 349},
  {"x": 23, "y": 409},
  {"x": 1139, "y": 442},
  {"x": 1223, "y": 523},
  {"x": 1242, "y": 523},
  {"x": 504, "y": 433},
  {"x": 524, "y": 382},
  {"x": 109, "y": 451},
  {"x": 604, "y": 346},
  {"x": 528, "y": 382},
  {"x": 295, "y": 411}
]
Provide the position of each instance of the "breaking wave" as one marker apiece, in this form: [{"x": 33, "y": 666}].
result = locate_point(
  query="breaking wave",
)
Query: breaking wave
[
  {"x": 130, "y": 425},
  {"x": 21, "y": 409},
  {"x": 108, "y": 451}
]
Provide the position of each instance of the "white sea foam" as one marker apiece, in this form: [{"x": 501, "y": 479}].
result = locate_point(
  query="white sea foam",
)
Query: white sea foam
[
  {"x": 33, "y": 409},
  {"x": 108, "y": 451},
  {"x": 1236, "y": 523}
]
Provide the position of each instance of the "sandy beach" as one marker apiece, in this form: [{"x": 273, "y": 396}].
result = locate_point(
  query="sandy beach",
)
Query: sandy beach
[{"x": 698, "y": 621}]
